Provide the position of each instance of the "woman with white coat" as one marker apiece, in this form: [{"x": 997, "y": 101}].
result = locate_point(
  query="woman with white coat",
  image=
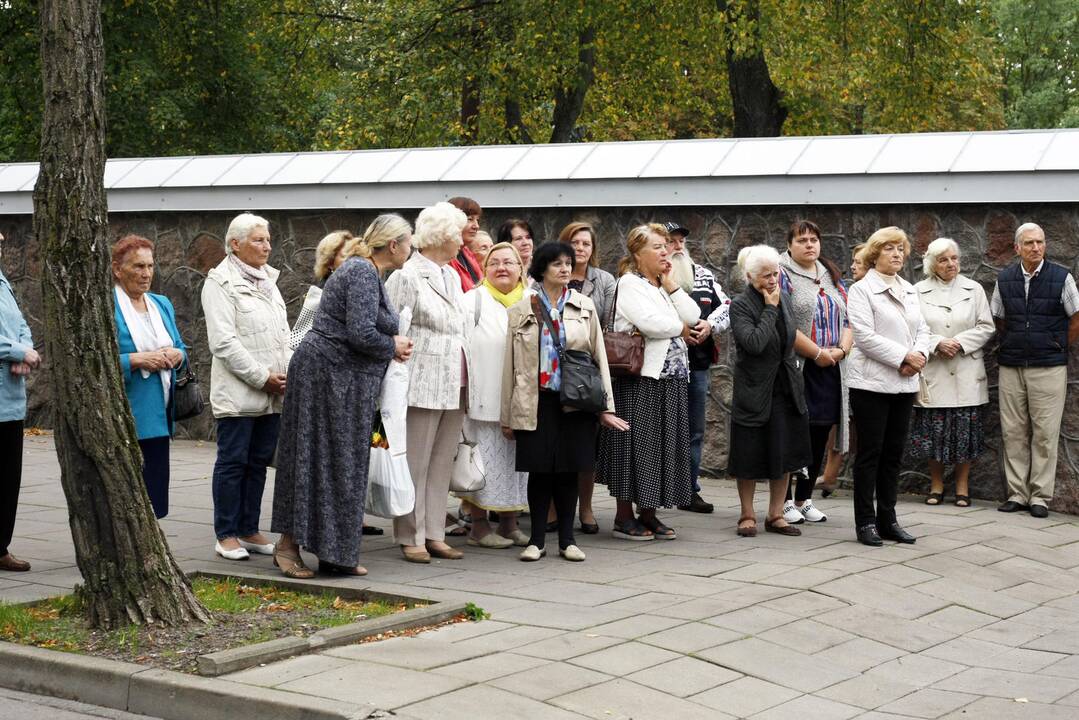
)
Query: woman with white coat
[
  {"x": 649, "y": 465},
  {"x": 506, "y": 490},
  {"x": 947, "y": 426},
  {"x": 891, "y": 345}
]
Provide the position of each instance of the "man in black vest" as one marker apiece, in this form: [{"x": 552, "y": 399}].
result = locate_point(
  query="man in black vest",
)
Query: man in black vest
[
  {"x": 707, "y": 293},
  {"x": 1036, "y": 308}
]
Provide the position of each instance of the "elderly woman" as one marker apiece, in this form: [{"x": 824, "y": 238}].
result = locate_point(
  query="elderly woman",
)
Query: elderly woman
[
  {"x": 330, "y": 253},
  {"x": 554, "y": 443},
  {"x": 337, "y": 371},
  {"x": 818, "y": 303},
  {"x": 437, "y": 378},
  {"x": 891, "y": 345},
  {"x": 17, "y": 360},
  {"x": 597, "y": 285},
  {"x": 506, "y": 490},
  {"x": 150, "y": 351},
  {"x": 248, "y": 333},
  {"x": 649, "y": 465},
  {"x": 519, "y": 233},
  {"x": 482, "y": 246},
  {"x": 858, "y": 267},
  {"x": 467, "y": 263},
  {"x": 947, "y": 425},
  {"x": 769, "y": 424}
]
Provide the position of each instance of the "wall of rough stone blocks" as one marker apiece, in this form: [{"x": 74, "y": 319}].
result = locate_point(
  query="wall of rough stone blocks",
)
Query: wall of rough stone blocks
[{"x": 188, "y": 244}]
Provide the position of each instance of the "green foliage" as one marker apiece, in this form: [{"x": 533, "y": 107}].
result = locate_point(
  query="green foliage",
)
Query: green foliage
[
  {"x": 224, "y": 76},
  {"x": 475, "y": 613}
]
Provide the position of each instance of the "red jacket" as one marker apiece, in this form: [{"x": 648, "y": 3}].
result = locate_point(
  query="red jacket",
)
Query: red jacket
[{"x": 466, "y": 260}]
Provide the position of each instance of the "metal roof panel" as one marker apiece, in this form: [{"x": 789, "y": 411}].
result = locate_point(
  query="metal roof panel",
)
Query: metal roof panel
[
  {"x": 549, "y": 162},
  {"x": 201, "y": 171},
  {"x": 365, "y": 166},
  {"x": 253, "y": 170},
  {"x": 1002, "y": 152},
  {"x": 307, "y": 168},
  {"x": 849, "y": 155},
  {"x": 617, "y": 160},
  {"x": 426, "y": 165},
  {"x": 688, "y": 158},
  {"x": 485, "y": 163},
  {"x": 770, "y": 156}
]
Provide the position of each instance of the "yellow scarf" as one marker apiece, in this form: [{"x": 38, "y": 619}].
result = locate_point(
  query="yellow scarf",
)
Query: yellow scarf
[{"x": 506, "y": 299}]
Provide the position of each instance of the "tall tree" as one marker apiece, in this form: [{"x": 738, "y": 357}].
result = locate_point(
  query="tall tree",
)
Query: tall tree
[
  {"x": 758, "y": 107},
  {"x": 128, "y": 573}
]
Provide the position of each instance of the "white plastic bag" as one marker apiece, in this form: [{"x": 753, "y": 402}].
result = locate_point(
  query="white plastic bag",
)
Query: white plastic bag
[{"x": 390, "y": 492}]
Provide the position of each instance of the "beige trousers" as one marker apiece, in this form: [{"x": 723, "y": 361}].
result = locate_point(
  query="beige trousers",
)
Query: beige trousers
[
  {"x": 1031, "y": 408},
  {"x": 432, "y": 437}
]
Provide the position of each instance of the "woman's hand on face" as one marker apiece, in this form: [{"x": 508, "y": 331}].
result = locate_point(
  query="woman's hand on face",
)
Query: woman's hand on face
[
  {"x": 771, "y": 298},
  {"x": 949, "y": 347},
  {"x": 666, "y": 279},
  {"x": 402, "y": 348},
  {"x": 507, "y": 432},
  {"x": 915, "y": 360},
  {"x": 612, "y": 421}
]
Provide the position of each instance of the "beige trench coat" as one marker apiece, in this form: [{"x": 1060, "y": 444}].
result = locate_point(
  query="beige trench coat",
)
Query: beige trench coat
[{"x": 961, "y": 313}]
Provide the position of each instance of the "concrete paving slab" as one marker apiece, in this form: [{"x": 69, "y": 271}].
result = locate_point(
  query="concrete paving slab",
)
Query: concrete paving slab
[
  {"x": 916, "y": 669},
  {"x": 567, "y": 645},
  {"x": 624, "y": 659},
  {"x": 550, "y": 680},
  {"x": 683, "y": 677},
  {"x": 1003, "y": 709},
  {"x": 488, "y": 667},
  {"x": 625, "y": 700},
  {"x": 690, "y": 637},
  {"x": 745, "y": 696},
  {"x": 776, "y": 664},
  {"x": 383, "y": 686},
  {"x": 867, "y": 691},
  {"x": 465, "y": 704},
  {"x": 859, "y": 654},
  {"x": 276, "y": 673},
  {"x": 809, "y": 706},
  {"x": 928, "y": 703},
  {"x": 1008, "y": 684}
]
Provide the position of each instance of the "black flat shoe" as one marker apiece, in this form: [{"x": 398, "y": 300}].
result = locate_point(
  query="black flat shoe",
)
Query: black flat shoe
[
  {"x": 1039, "y": 511},
  {"x": 1012, "y": 506},
  {"x": 552, "y": 526},
  {"x": 894, "y": 532},
  {"x": 867, "y": 535},
  {"x": 697, "y": 505},
  {"x": 589, "y": 528},
  {"x": 371, "y": 530}
]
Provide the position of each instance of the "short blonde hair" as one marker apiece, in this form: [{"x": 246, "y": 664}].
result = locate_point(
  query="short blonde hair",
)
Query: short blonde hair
[
  {"x": 327, "y": 250},
  {"x": 241, "y": 227},
  {"x": 876, "y": 242},
  {"x": 635, "y": 242},
  {"x": 751, "y": 259},
  {"x": 937, "y": 248},
  {"x": 381, "y": 232},
  {"x": 438, "y": 224}
]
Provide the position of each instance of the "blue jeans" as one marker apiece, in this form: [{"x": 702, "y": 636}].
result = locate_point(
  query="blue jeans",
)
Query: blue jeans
[
  {"x": 245, "y": 446},
  {"x": 698, "y": 404}
]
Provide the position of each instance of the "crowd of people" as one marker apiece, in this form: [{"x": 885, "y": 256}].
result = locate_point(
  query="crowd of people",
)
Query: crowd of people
[{"x": 562, "y": 376}]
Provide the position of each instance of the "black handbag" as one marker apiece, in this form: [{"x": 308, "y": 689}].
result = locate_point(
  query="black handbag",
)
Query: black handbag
[
  {"x": 186, "y": 396},
  {"x": 582, "y": 384}
]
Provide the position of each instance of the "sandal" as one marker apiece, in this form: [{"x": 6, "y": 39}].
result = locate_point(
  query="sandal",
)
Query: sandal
[
  {"x": 659, "y": 530},
  {"x": 788, "y": 529},
  {"x": 292, "y": 565},
  {"x": 456, "y": 528},
  {"x": 631, "y": 530},
  {"x": 935, "y": 498},
  {"x": 748, "y": 530},
  {"x": 962, "y": 500}
]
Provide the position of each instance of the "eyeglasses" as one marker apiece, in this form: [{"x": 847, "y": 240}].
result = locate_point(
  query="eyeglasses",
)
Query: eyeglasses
[{"x": 501, "y": 264}]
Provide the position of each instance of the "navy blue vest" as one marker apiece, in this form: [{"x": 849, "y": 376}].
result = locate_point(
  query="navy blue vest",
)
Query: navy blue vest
[{"x": 1035, "y": 326}]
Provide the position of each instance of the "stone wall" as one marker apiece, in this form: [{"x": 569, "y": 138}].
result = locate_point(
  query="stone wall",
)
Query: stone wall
[{"x": 188, "y": 244}]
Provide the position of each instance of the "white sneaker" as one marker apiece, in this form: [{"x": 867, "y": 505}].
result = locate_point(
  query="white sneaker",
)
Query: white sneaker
[
  {"x": 810, "y": 513},
  {"x": 237, "y": 554},
  {"x": 792, "y": 514},
  {"x": 532, "y": 553},
  {"x": 572, "y": 553}
]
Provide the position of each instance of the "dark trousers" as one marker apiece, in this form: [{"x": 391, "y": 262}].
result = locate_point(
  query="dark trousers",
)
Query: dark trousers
[
  {"x": 155, "y": 473},
  {"x": 818, "y": 445},
  {"x": 883, "y": 422},
  {"x": 562, "y": 488},
  {"x": 10, "y": 479},
  {"x": 245, "y": 446},
  {"x": 698, "y": 410}
]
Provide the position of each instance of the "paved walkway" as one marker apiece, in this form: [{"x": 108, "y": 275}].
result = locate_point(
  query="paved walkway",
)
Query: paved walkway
[{"x": 979, "y": 619}]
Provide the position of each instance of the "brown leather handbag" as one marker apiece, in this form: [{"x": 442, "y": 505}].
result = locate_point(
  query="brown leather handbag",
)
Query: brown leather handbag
[{"x": 625, "y": 350}]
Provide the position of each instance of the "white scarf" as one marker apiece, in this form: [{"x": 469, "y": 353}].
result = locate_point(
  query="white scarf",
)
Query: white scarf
[{"x": 144, "y": 340}]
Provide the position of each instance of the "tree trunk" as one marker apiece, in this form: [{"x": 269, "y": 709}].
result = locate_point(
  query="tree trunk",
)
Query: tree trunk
[
  {"x": 568, "y": 102},
  {"x": 129, "y": 575},
  {"x": 515, "y": 124},
  {"x": 470, "y": 110},
  {"x": 758, "y": 110}
]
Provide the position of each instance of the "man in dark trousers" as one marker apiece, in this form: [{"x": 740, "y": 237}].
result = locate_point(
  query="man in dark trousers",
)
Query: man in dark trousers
[
  {"x": 1036, "y": 308},
  {"x": 706, "y": 292}
]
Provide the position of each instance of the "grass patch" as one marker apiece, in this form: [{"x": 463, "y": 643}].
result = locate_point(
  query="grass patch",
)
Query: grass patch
[{"x": 242, "y": 614}]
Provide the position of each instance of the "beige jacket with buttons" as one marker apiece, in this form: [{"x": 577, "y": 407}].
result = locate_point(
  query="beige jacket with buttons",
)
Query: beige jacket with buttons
[
  {"x": 248, "y": 336},
  {"x": 520, "y": 371},
  {"x": 960, "y": 312}
]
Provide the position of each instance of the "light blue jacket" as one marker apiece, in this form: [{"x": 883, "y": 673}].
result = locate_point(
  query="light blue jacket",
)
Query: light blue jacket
[
  {"x": 15, "y": 340},
  {"x": 152, "y": 418}
]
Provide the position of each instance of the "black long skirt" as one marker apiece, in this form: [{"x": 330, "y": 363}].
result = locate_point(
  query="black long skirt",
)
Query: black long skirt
[{"x": 770, "y": 451}]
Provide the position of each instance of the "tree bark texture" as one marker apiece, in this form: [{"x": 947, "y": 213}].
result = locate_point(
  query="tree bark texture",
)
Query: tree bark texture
[
  {"x": 757, "y": 102},
  {"x": 129, "y": 575},
  {"x": 569, "y": 101}
]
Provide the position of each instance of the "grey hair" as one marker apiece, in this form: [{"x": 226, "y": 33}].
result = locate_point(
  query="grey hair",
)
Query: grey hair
[
  {"x": 751, "y": 259},
  {"x": 936, "y": 248},
  {"x": 438, "y": 224},
  {"x": 241, "y": 227},
  {"x": 1024, "y": 229}
]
